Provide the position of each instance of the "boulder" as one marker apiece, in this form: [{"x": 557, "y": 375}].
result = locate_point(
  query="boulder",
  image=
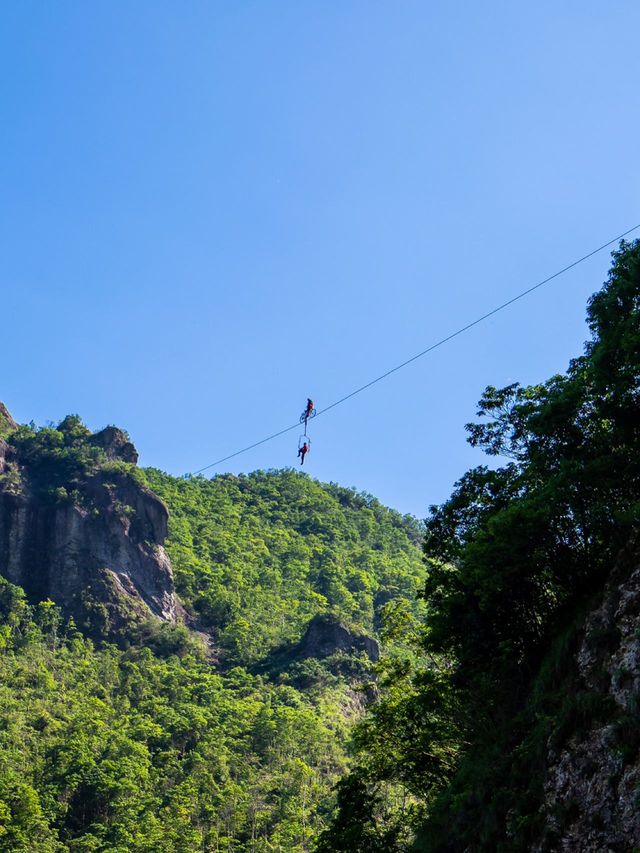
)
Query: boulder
[
  {"x": 115, "y": 444},
  {"x": 326, "y": 635}
]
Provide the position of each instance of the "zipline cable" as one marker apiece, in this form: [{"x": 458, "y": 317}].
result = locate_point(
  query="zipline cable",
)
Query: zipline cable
[{"x": 429, "y": 349}]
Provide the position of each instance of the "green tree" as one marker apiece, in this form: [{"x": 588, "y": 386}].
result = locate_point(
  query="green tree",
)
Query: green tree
[{"x": 510, "y": 554}]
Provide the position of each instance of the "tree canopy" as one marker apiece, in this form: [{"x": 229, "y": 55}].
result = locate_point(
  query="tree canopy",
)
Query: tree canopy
[
  {"x": 166, "y": 743},
  {"x": 511, "y": 555}
]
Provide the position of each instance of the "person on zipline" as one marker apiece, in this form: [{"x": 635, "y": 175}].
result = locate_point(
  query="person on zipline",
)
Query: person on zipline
[
  {"x": 308, "y": 410},
  {"x": 302, "y": 451}
]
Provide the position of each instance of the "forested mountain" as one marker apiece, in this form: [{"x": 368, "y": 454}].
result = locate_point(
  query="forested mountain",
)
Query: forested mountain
[
  {"x": 268, "y": 663},
  {"x": 198, "y": 704},
  {"x": 255, "y": 557},
  {"x": 516, "y": 727}
]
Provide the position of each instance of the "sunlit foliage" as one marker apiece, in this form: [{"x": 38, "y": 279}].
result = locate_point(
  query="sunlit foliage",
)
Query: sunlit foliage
[{"x": 513, "y": 555}]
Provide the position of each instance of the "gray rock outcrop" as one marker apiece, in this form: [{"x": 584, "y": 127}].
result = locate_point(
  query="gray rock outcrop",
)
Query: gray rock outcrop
[
  {"x": 6, "y": 421},
  {"x": 98, "y": 552},
  {"x": 592, "y": 791},
  {"x": 326, "y": 635},
  {"x": 115, "y": 444}
]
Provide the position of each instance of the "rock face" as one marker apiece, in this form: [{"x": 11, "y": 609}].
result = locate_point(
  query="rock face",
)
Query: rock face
[
  {"x": 326, "y": 635},
  {"x": 6, "y": 421},
  {"x": 97, "y": 553},
  {"x": 593, "y": 783},
  {"x": 115, "y": 444}
]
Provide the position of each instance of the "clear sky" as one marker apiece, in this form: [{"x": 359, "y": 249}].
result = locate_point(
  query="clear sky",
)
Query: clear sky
[{"x": 211, "y": 210}]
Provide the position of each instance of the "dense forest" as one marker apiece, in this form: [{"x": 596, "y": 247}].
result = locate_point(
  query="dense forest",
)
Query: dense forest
[
  {"x": 516, "y": 557},
  {"x": 220, "y": 732},
  {"x": 256, "y": 715},
  {"x": 257, "y": 556}
]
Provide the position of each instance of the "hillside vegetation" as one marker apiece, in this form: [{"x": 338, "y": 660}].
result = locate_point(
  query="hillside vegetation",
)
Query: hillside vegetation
[
  {"x": 160, "y": 742},
  {"x": 229, "y": 731},
  {"x": 256, "y": 556},
  {"x": 517, "y": 556}
]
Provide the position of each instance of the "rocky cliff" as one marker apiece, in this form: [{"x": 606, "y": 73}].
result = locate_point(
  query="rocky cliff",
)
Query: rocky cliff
[
  {"x": 77, "y": 527},
  {"x": 592, "y": 788},
  {"x": 326, "y": 635}
]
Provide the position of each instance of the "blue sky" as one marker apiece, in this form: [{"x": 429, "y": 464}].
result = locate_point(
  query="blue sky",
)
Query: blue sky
[{"x": 211, "y": 210}]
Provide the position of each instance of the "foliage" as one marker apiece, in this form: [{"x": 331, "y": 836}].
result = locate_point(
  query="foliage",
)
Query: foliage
[
  {"x": 58, "y": 458},
  {"x": 112, "y": 750},
  {"x": 257, "y": 556},
  {"x": 161, "y": 744},
  {"x": 151, "y": 748},
  {"x": 511, "y": 555}
]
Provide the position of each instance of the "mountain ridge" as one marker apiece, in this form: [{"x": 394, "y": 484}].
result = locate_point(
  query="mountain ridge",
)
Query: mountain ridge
[
  {"x": 218, "y": 722},
  {"x": 73, "y": 518}
]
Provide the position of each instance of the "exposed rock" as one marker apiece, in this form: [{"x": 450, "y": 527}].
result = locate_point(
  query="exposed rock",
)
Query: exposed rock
[
  {"x": 115, "y": 444},
  {"x": 593, "y": 783},
  {"x": 98, "y": 553},
  {"x": 328, "y": 640},
  {"x": 7, "y": 423},
  {"x": 326, "y": 635}
]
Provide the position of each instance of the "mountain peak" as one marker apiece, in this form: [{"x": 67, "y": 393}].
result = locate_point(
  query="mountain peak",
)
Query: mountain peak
[
  {"x": 80, "y": 530},
  {"x": 115, "y": 443},
  {"x": 7, "y": 422}
]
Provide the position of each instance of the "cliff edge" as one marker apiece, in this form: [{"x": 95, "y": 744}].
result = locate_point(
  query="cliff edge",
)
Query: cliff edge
[
  {"x": 593, "y": 779},
  {"x": 79, "y": 528}
]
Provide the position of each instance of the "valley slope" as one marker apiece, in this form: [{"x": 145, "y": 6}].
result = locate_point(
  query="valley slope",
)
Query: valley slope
[{"x": 193, "y": 698}]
